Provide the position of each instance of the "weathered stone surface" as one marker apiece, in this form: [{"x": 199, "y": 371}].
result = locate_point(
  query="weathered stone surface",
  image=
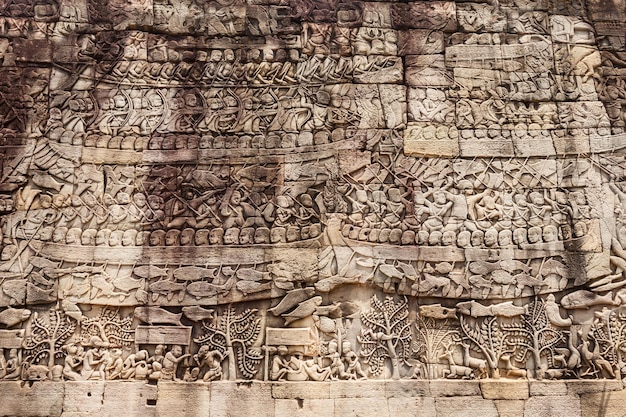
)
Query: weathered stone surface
[
  {"x": 40, "y": 399},
  {"x": 454, "y": 388},
  {"x": 504, "y": 390},
  {"x": 510, "y": 408},
  {"x": 246, "y": 398},
  {"x": 301, "y": 390},
  {"x": 178, "y": 398},
  {"x": 549, "y": 388},
  {"x": 607, "y": 404},
  {"x": 461, "y": 406},
  {"x": 366, "y": 407},
  {"x": 83, "y": 397},
  {"x": 139, "y": 399},
  {"x": 308, "y": 407},
  {"x": 553, "y": 406}
]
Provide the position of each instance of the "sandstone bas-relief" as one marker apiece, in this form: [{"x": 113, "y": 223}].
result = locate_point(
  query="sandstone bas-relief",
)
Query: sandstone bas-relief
[{"x": 312, "y": 191}]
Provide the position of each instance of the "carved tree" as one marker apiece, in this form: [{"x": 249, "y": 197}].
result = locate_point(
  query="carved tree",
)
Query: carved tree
[
  {"x": 432, "y": 335},
  {"x": 536, "y": 335},
  {"x": 486, "y": 336},
  {"x": 48, "y": 336},
  {"x": 230, "y": 333},
  {"x": 110, "y": 327},
  {"x": 387, "y": 335}
]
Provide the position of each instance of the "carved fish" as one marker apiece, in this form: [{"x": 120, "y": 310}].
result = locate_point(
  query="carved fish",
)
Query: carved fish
[
  {"x": 512, "y": 265},
  {"x": 292, "y": 299},
  {"x": 167, "y": 288},
  {"x": 197, "y": 313},
  {"x": 193, "y": 273},
  {"x": 157, "y": 315},
  {"x": 46, "y": 181},
  {"x": 247, "y": 287},
  {"x": 304, "y": 309},
  {"x": 474, "y": 309},
  {"x": 325, "y": 324},
  {"x": 330, "y": 283},
  {"x": 14, "y": 316},
  {"x": 585, "y": 299},
  {"x": 483, "y": 267},
  {"x": 71, "y": 309},
  {"x": 15, "y": 290},
  {"x": 100, "y": 284},
  {"x": 249, "y": 274},
  {"x": 202, "y": 289},
  {"x": 338, "y": 309},
  {"x": 141, "y": 295},
  {"x": 149, "y": 271},
  {"x": 206, "y": 179},
  {"x": 390, "y": 271},
  {"x": 409, "y": 271},
  {"x": 437, "y": 311},
  {"x": 36, "y": 294},
  {"x": 42, "y": 263},
  {"x": 126, "y": 283},
  {"x": 37, "y": 278},
  {"x": 526, "y": 280},
  {"x": 500, "y": 276},
  {"x": 507, "y": 309},
  {"x": 552, "y": 266}
]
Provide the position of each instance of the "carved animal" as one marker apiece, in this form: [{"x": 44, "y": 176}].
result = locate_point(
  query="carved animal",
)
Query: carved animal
[
  {"x": 37, "y": 278},
  {"x": 157, "y": 315},
  {"x": 14, "y": 316},
  {"x": 483, "y": 267},
  {"x": 512, "y": 371},
  {"x": 34, "y": 372},
  {"x": 511, "y": 265},
  {"x": 573, "y": 362},
  {"x": 292, "y": 299},
  {"x": 193, "y": 273},
  {"x": 330, "y": 283},
  {"x": 15, "y": 290},
  {"x": 100, "y": 285},
  {"x": 507, "y": 309},
  {"x": 46, "y": 181},
  {"x": 197, "y": 313},
  {"x": 585, "y": 299},
  {"x": 325, "y": 324},
  {"x": 36, "y": 294},
  {"x": 474, "y": 309},
  {"x": 249, "y": 274},
  {"x": 338, "y": 309},
  {"x": 455, "y": 370},
  {"x": 149, "y": 271},
  {"x": 437, "y": 311},
  {"x": 247, "y": 287},
  {"x": 126, "y": 283},
  {"x": 71, "y": 309},
  {"x": 167, "y": 288},
  {"x": 202, "y": 289},
  {"x": 304, "y": 309},
  {"x": 477, "y": 364},
  {"x": 43, "y": 263},
  {"x": 554, "y": 315}
]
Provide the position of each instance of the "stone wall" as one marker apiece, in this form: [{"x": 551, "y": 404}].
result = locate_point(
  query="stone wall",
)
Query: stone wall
[
  {"x": 353, "y": 200},
  {"x": 338, "y": 398}
]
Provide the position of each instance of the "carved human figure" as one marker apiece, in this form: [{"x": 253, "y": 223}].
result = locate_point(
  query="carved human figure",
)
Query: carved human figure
[{"x": 171, "y": 361}]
